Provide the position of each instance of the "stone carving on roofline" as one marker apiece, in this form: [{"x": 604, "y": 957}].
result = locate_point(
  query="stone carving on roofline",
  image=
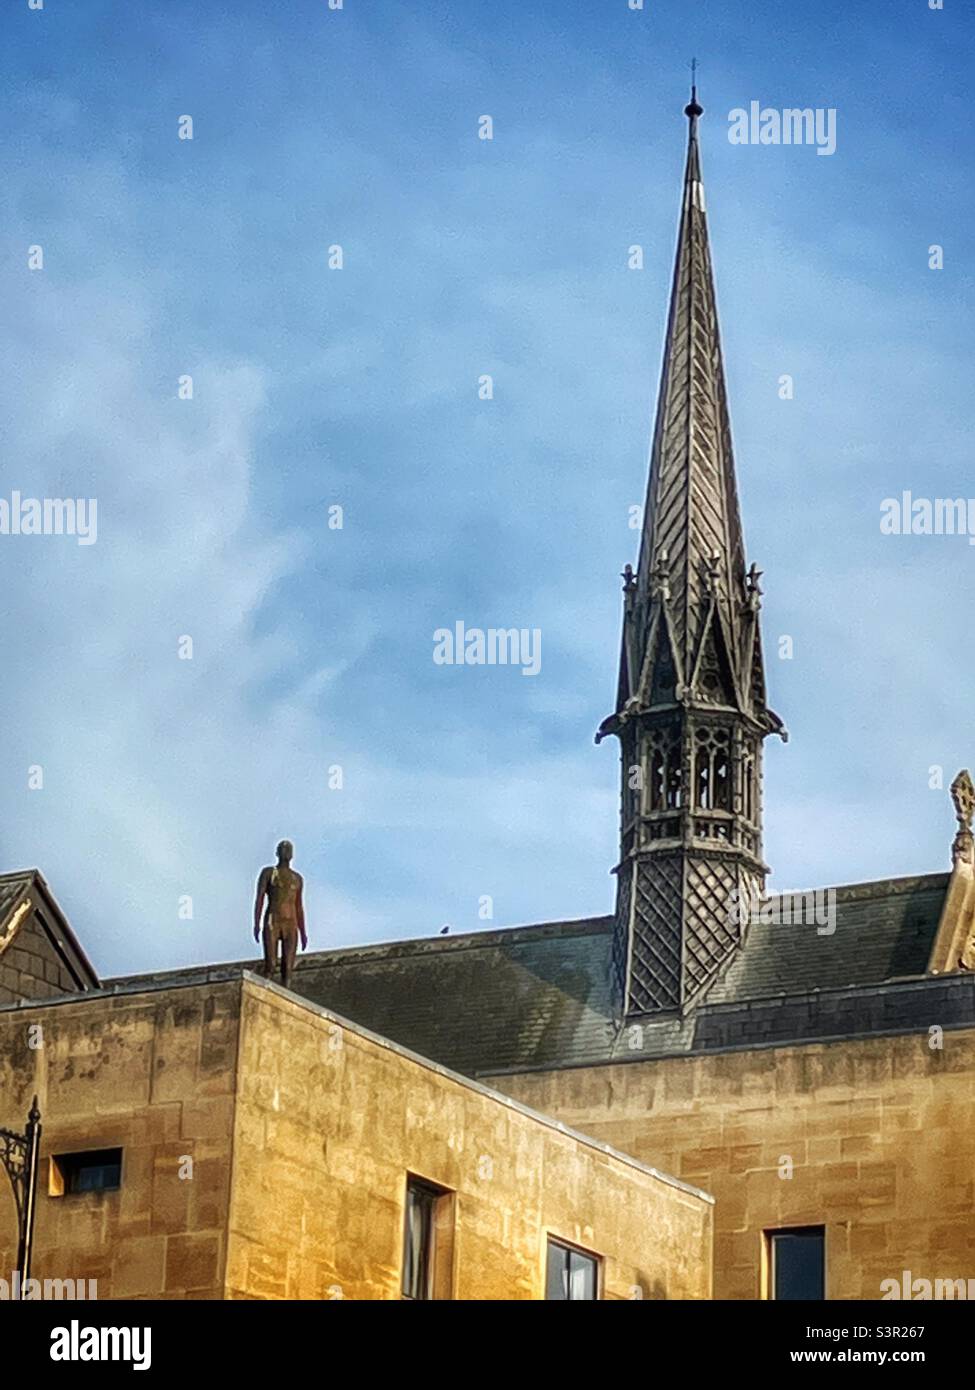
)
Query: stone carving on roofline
[
  {"x": 954, "y": 943},
  {"x": 963, "y": 851},
  {"x": 963, "y": 796}
]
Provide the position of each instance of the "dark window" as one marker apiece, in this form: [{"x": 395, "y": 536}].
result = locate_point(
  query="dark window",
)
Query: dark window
[
  {"x": 798, "y": 1266},
  {"x": 665, "y": 770},
  {"x": 673, "y": 782},
  {"x": 704, "y": 784},
  {"x": 426, "y": 1241},
  {"x": 658, "y": 781},
  {"x": 712, "y": 767},
  {"x": 571, "y": 1274},
  {"x": 95, "y": 1170},
  {"x": 722, "y": 782}
]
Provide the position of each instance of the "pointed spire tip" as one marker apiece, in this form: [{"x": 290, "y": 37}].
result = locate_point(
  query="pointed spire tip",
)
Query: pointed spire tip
[{"x": 693, "y": 109}]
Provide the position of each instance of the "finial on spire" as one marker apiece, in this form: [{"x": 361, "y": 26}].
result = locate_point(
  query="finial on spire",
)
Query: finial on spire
[
  {"x": 661, "y": 576},
  {"x": 753, "y": 589},
  {"x": 693, "y": 108}
]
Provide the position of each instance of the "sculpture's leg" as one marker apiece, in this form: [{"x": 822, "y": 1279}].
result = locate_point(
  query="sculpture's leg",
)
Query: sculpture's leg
[
  {"x": 270, "y": 939},
  {"x": 289, "y": 949}
]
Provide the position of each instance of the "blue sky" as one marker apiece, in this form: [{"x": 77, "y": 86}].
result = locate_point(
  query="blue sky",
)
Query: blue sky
[{"x": 313, "y": 648}]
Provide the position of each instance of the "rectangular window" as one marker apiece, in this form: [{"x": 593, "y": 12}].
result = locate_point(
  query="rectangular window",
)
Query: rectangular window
[
  {"x": 427, "y": 1241},
  {"x": 797, "y": 1263},
  {"x": 571, "y": 1274},
  {"x": 94, "y": 1170}
]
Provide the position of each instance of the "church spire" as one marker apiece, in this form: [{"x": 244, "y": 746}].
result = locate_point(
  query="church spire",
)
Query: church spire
[{"x": 690, "y": 712}]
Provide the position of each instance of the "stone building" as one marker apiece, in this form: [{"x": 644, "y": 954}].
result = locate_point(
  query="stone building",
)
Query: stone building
[
  {"x": 809, "y": 1060},
  {"x": 214, "y": 1136}
]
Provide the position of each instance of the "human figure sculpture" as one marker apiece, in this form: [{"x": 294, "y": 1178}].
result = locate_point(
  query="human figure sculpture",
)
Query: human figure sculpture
[{"x": 284, "y": 919}]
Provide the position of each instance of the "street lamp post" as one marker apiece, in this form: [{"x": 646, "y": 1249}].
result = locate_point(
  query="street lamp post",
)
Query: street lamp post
[{"x": 19, "y": 1154}]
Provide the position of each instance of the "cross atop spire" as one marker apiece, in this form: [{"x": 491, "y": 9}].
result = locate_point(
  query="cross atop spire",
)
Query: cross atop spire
[{"x": 693, "y": 109}]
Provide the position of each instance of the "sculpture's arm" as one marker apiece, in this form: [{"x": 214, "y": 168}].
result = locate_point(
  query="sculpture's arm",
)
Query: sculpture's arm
[
  {"x": 262, "y": 886},
  {"x": 300, "y": 911}
]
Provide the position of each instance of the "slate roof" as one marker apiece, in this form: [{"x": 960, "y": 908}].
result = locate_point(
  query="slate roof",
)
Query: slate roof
[
  {"x": 486, "y": 1000},
  {"x": 883, "y": 931},
  {"x": 537, "y": 997}
]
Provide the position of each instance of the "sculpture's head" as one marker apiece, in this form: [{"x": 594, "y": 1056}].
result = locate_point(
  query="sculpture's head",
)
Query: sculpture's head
[{"x": 285, "y": 851}]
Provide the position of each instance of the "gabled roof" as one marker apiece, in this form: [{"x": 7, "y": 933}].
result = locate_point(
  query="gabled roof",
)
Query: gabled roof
[{"x": 39, "y": 953}]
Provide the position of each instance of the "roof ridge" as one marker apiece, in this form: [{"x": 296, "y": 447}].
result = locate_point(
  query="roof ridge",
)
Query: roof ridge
[
  {"x": 901, "y": 884},
  {"x": 573, "y": 926}
]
